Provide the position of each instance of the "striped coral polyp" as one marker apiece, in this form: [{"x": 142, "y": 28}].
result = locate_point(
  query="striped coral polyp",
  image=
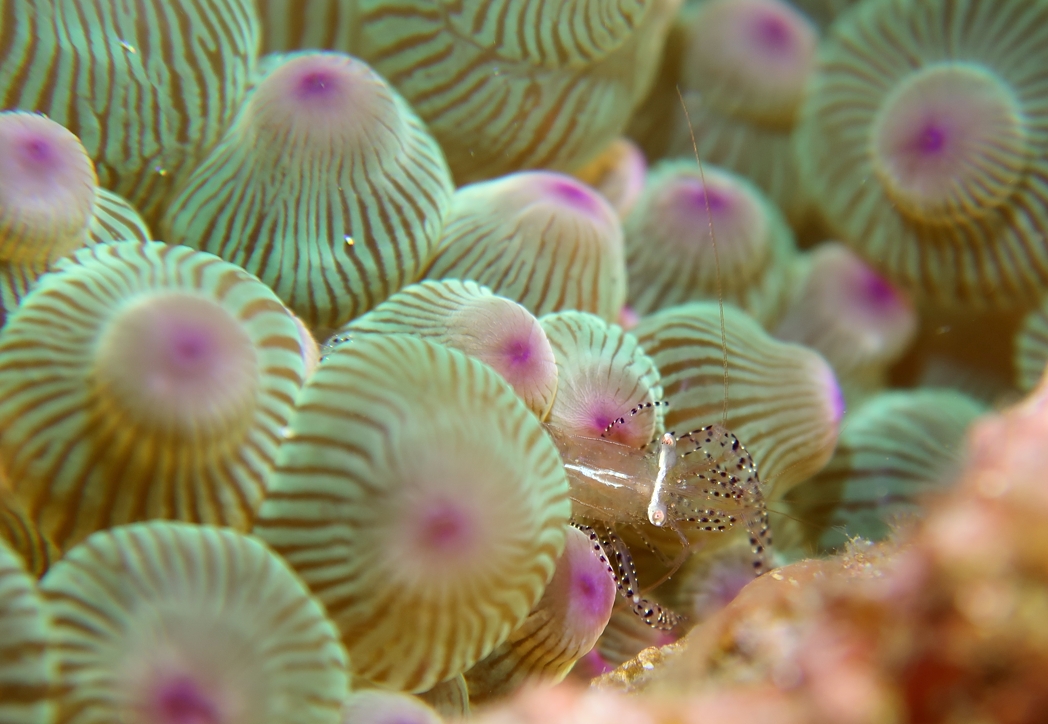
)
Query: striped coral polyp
[
  {"x": 144, "y": 381},
  {"x": 469, "y": 318},
  {"x": 920, "y": 139},
  {"x": 179, "y": 363},
  {"x": 950, "y": 142},
  {"x": 506, "y": 85},
  {"x": 47, "y": 189},
  {"x": 542, "y": 239},
  {"x": 327, "y": 187},
  {"x": 27, "y": 666},
  {"x": 421, "y": 501},
  {"x": 169, "y": 623}
]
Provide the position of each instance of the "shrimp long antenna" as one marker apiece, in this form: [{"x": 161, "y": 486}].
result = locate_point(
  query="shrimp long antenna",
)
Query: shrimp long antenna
[{"x": 716, "y": 256}]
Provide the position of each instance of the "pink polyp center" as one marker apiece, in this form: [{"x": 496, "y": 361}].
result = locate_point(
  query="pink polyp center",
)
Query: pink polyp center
[
  {"x": 35, "y": 152},
  {"x": 694, "y": 202},
  {"x": 876, "y": 291},
  {"x": 931, "y": 139},
  {"x": 182, "y": 701},
  {"x": 750, "y": 58},
  {"x": 772, "y": 34},
  {"x": 684, "y": 212},
  {"x": 614, "y": 422},
  {"x": 591, "y": 589},
  {"x": 518, "y": 352},
  {"x": 179, "y": 359},
  {"x": 446, "y": 527},
  {"x": 948, "y": 140},
  {"x": 575, "y": 195},
  {"x": 320, "y": 96},
  {"x": 316, "y": 85},
  {"x": 47, "y": 189},
  {"x": 190, "y": 349}
]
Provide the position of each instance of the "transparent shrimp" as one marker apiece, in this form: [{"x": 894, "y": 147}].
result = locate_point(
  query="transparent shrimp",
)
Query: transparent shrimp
[{"x": 704, "y": 480}]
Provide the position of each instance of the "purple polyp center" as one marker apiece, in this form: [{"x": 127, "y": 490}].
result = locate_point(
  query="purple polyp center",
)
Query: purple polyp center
[
  {"x": 590, "y": 589},
  {"x": 601, "y": 422},
  {"x": 705, "y": 200},
  {"x": 772, "y": 33},
  {"x": 318, "y": 84},
  {"x": 929, "y": 140},
  {"x": 574, "y": 195},
  {"x": 877, "y": 291},
  {"x": 189, "y": 348},
  {"x": 182, "y": 702},
  {"x": 518, "y": 352},
  {"x": 37, "y": 151},
  {"x": 445, "y": 527}
]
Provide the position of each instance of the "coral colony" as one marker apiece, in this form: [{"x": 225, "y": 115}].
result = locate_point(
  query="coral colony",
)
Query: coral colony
[{"x": 560, "y": 361}]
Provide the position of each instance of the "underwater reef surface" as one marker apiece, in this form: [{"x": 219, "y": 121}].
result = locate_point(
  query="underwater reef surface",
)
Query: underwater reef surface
[{"x": 523, "y": 361}]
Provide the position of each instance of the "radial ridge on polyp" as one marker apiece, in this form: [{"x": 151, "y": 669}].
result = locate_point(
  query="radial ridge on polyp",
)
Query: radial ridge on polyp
[
  {"x": 170, "y": 623},
  {"x": 897, "y": 448},
  {"x": 705, "y": 233},
  {"x": 27, "y": 662},
  {"x": 144, "y": 381},
  {"x": 543, "y": 239},
  {"x": 468, "y": 317},
  {"x": 506, "y": 85},
  {"x": 783, "y": 400},
  {"x": 416, "y": 493},
  {"x": 921, "y": 140},
  {"x": 327, "y": 187}
]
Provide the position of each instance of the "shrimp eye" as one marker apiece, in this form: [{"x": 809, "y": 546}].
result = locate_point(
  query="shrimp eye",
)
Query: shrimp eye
[{"x": 657, "y": 517}]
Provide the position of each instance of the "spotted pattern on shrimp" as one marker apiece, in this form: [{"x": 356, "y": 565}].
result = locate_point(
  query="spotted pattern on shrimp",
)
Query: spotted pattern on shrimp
[
  {"x": 612, "y": 551},
  {"x": 711, "y": 462}
]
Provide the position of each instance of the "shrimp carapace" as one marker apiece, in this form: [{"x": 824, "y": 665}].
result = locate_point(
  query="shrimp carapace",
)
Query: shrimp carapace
[{"x": 703, "y": 482}]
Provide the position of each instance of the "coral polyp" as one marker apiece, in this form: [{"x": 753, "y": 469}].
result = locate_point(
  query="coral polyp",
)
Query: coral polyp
[
  {"x": 741, "y": 70},
  {"x": 782, "y": 399},
  {"x": 618, "y": 173},
  {"x": 169, "y": 623},
  {"x": 323, "y": 127},
  {"x": 148, "y": 87},
  {"x": 144, "y": 381},
  {"x": 416, "y": 492},
  {"x": 562, "y": 627},
  {"x": 47, "y": 189},
  {"x": 507, "y": 86},
  {"x": 543, "y": 239},
  {"x": 468, "y": 317},
  {"x": 602, "y": 375},
  {"x": 858, "y": 320},
  {"x": 706, "y": 233},
  {"x": 922, "y": 138}
]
